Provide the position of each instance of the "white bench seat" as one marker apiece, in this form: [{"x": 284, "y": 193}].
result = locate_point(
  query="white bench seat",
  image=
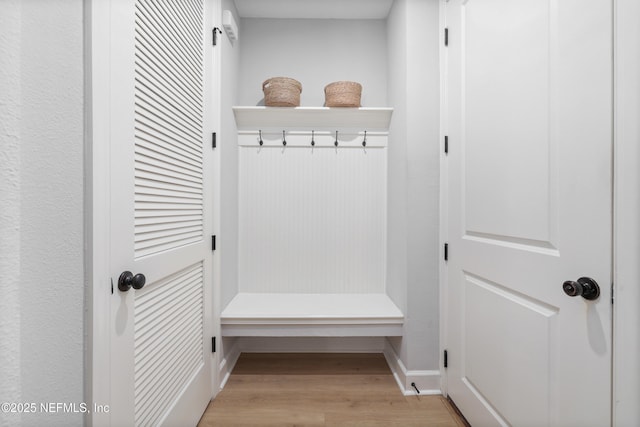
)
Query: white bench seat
[{"x": 317, "y": 315}]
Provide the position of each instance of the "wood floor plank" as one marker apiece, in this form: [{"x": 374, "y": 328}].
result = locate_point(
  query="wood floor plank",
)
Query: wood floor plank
[
  {"x": 315, "y": 383},
  {"x": 321, "y": 390}
]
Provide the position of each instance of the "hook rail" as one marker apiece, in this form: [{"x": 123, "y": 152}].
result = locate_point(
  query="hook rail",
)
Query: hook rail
[{"x": 337, "y": 139}]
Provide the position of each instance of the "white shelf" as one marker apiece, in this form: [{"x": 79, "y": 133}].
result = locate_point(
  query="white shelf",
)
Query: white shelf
[
  {"x": 320, "y": 315},
  {"x": 309, "y": 118}
]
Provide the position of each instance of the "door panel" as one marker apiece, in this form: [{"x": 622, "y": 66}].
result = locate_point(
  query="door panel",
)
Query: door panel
[
  {"x": 518, "y": 380},
  {"x": 529, "y": 207},
  {"x": 160, "y": 212},
  {"x": 507, "y": 100}
]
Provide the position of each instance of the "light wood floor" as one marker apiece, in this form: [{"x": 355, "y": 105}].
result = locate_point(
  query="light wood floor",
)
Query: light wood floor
[{"x": 321, "y": 390}]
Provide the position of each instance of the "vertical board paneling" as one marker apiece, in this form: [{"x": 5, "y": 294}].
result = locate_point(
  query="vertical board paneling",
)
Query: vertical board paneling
[
  {"x": 168, "y": 125},
  {"x": 168, "y": 341},
  {"x": 312, "y": 221}
]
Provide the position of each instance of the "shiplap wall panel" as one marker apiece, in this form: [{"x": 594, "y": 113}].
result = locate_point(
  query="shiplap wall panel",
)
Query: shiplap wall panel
[
  {"x": 168, "y": 125},
  {"x": 168, "y": 341},
  {"x": 312, "y": 221}
]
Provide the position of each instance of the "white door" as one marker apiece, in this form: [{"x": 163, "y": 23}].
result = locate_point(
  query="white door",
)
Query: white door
[
  {"x": 160, "y": 212},
  {"x": 529, "y": 207}
]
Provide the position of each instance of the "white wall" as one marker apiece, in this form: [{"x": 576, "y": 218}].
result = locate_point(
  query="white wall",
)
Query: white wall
[
  {"x": 423, "y": 145},
  {"x": 397, "y": 193},
  {"x": 315, "y": 52},
  {"x": 312, "y": 221},
  {"x": 10, "y": 88},
  {"x": 42, "y": 272},
  {"x": 228, "y": 146},
  {"x": 413, "y": 209},
  {"x": 228, "y": 209}
]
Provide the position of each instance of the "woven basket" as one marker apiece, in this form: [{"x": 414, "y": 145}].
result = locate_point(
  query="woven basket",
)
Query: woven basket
[
  {"x": 342, "y": 94},
  {"x": 281, "y": 92}
]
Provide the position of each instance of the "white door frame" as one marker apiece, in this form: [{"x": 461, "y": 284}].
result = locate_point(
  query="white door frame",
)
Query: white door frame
[
  {"x": 626, "y": 268},
  {"x": 444, "y": 199},
  {"x": 626, "y": 211},
  {"x": 97, "y": 228},
  {"x": 97, "y": 37},
  {"x": 216, "y": 88}
]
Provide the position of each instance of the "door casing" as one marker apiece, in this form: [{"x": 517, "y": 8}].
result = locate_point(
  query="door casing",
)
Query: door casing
[{"x": 626, "y": 211}]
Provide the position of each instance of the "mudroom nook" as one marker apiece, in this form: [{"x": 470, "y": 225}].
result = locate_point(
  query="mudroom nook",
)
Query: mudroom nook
[{"x": 329, "y": 217}]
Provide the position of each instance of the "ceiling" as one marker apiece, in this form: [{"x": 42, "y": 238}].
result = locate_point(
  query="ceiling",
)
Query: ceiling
[{"x": 319, "y": 9}]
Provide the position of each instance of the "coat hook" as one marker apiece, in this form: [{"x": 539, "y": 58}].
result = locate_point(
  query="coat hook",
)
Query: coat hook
[
  {"x": 313, "y": 143},
  {"x": 364, "y": 141},
  {"x": 284, "y": 141},
  {"x": 260, "y": 141},
  {"x": 336, "y": 142}
]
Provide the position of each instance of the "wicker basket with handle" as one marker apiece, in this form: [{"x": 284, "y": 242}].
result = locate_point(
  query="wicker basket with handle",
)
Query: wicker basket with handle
[
  {"x": 281, "y": 92},
  {"x": 343, "y": 94}
]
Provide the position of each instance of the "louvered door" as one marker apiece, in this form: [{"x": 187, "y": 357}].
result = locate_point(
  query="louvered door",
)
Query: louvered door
[{"x": 160, "y": 212}]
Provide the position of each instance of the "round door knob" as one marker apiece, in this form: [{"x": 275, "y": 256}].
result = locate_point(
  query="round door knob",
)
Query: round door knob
[
  {"x": 585, "y": 287},
  {"x": 127, "y": 281}
]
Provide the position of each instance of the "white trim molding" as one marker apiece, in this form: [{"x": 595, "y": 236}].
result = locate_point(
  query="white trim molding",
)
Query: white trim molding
[
  {"x": 228, "y": 362},
  {"x": 626, "y": 327},
  {"x": 444, "y": 201},
  {"x": 97, "y": 189},
  {"x": 428, "y": 382}
]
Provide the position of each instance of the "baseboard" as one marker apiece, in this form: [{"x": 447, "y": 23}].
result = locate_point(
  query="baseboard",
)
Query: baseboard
[
  {"x": 428, "y": 382},
  {"x": 230, "y": 357},
  {"x": 311, "y": 344}
]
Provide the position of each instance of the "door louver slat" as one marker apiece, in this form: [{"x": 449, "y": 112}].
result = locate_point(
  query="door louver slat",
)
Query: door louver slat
[
  {"x": 169, "y": 81},
  {"x": 168, "y": 340}
]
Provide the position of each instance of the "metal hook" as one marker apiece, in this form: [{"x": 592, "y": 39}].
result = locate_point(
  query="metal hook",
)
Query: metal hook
[
  {"x": 364, "y": 141},
  {"x": 336, "y": 142},
  {"x": 313, "y": 143},
  {"x": 284, "y": 141},
  {"x": 260, "y": 141}
]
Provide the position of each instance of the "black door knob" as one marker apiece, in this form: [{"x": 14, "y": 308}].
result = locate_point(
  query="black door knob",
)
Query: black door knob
[
  {"x": 127, "y": 281},
  {"x": 585, "y": 287}
]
